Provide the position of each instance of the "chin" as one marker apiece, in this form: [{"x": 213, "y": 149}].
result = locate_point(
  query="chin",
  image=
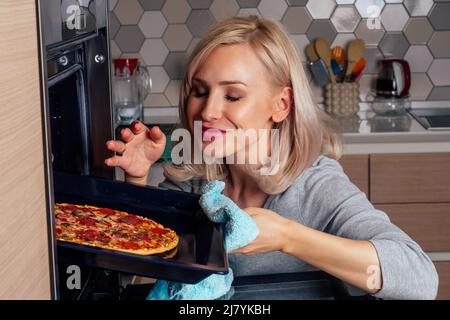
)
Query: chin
[{"x": 214, "y": 151}]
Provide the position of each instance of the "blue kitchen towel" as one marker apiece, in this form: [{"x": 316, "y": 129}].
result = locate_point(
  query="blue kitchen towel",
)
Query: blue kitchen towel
[
  {"x": 213, "y": 287},
  {"x": 240, "y": 230}
]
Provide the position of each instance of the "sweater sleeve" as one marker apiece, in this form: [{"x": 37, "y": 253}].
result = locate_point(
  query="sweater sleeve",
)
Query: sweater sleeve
[
  {"x": 338, "y": 207},
  {"x": 175, "y": 185},
  {"x": 193, "y": 186}
]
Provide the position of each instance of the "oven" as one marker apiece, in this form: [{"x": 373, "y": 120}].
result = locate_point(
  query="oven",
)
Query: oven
[
  {"x": 77, "y": 123},
  {"x": 76, "y": 55}
]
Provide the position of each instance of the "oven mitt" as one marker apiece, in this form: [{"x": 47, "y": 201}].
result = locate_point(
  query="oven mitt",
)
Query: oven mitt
[{"x": 240, "y": 229}]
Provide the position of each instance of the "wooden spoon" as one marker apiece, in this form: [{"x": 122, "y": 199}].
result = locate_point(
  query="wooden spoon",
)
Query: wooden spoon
[
  {"x": 354, "y": 53},
  {"x": 311, "y": 53},
  {"x": 324, "y": 52}
]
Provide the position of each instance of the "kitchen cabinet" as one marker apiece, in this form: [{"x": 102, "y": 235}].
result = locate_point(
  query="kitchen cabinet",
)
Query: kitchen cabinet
[
  {"x": 25, "y": 271},
  {"x": 443, "y": 269},
  {"x": 428, "y": 224},
  {"x": 357, "y": 169},
  {"x": 414, "y": 190},
  {"x": 410, "y": 178}
]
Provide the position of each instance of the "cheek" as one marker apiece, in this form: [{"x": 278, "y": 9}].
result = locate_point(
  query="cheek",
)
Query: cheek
[{"x": 254, "y": 115}]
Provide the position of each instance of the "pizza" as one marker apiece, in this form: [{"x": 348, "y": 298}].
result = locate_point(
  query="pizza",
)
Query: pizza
[{"x": 112, "y": 229}]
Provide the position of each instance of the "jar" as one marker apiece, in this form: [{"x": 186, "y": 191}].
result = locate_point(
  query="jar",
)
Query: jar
[
  {"x": 342, "y": 99},
  {"x": 390, "y": 106},
  {"x": 391, "y": 123}
]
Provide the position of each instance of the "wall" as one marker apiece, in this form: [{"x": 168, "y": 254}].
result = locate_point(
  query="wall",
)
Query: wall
[
  {"x": 24, "y": 258},
  {"x": 163, "y": 33}
]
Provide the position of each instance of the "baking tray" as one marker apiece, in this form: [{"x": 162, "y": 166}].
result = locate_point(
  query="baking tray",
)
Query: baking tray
[{"x": 200, "y": 251}]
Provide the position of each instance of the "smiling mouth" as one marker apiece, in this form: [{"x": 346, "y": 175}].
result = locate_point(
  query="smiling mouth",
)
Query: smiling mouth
[{"x": 211, "y": 133}]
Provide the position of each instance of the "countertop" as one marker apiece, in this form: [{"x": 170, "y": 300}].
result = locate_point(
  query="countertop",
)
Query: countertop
[
  {"x": 370, "y": 133},
  {"x": 366, "y": 127}
]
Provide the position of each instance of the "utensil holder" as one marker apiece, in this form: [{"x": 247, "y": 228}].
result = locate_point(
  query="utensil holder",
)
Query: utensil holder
[{"x": 342, "y": 99}]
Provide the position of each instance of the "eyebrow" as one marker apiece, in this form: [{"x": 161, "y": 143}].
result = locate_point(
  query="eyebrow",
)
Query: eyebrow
[{"x": 222, "y": 83}]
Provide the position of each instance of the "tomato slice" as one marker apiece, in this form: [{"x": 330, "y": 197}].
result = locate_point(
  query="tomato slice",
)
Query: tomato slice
[
  {"x": 87, "y": 221},
  {"x": 131, "y": 220},
  {"x": 128, "y": 245},
  {"x": 160, "y": 231},
  {"x": 106, "y": 211}
]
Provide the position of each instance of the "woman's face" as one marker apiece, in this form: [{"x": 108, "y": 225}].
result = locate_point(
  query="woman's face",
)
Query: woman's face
[{"x": 231, "y": 90}]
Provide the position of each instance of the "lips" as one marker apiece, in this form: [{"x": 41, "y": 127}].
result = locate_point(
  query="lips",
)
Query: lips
[{"x": 209, "y": 133}]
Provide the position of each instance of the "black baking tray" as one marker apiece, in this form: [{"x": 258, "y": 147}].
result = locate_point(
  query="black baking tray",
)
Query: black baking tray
[{"x": 200, "y": 251}]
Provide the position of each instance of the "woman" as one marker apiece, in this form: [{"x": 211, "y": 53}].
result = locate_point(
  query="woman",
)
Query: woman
[{"x": 245, "y": 74}]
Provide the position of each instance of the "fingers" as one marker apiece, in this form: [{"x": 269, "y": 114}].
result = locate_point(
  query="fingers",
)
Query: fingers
[
  {"x": 251, "y": 211},
  {"x": 246, "y": 250},
  {"x": 116, "y": 146},
  {"x": 113, "y": 161},
  {"x": 138, "y": 127},
  {"x": 157, "y": 135},
  {"x": 127, "y": 135}
]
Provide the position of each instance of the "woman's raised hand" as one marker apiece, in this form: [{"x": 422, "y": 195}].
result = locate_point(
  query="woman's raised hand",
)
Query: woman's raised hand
[{"x": 139, "y": 149}]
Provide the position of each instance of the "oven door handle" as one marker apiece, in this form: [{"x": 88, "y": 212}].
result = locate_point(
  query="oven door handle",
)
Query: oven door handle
[{"x": 63, "y": 75}]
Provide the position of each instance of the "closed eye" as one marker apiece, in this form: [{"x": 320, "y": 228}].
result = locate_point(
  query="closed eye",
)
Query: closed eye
[
  {"x": 232, "y": 99},
  {"x": 199, "y": 92}
]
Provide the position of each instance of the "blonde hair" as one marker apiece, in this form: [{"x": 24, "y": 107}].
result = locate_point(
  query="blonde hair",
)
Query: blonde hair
[{"x": 306, "y": 133}]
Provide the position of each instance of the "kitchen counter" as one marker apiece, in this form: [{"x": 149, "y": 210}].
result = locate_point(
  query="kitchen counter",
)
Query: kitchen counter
[{"x": 370, "y": 133}]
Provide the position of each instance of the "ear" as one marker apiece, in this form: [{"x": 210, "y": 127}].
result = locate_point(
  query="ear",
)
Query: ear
[{"x": 283, "y": 104}]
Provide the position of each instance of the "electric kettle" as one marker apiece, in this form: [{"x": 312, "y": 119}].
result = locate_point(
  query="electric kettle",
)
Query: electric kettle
[
  {"x": 394, "y": 78},
  {"x": 392, "y": 91}
]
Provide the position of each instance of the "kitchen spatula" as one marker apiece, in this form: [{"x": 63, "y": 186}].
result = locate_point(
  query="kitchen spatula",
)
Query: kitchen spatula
[
  {"x": 311, "y": 53},
  {"x": 357, "y": 70},
  {"x": 354, "y": 53},
  {"x": 324, "y": 52},
  {"x": 338, "y": 54}
]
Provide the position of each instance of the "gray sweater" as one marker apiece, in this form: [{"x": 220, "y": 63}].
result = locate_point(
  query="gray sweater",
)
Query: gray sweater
[{"x": 323, "y": 198}]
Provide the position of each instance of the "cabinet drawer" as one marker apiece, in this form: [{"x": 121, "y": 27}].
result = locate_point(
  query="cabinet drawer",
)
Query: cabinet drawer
[
  {"x": 356, "y": 167},
  {"x": 402, "y": 178},
  {"x": 443, "y": 269},
  {"x": 427, "y": 224}
]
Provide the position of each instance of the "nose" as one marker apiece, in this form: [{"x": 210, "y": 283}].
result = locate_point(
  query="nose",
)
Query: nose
[{"x": 212, "y": 109}]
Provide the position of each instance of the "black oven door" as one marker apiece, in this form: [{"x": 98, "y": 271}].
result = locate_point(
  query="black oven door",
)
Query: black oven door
[
  {"x": 80, "y": 106},
  {"x": 68, "y": 114}
]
